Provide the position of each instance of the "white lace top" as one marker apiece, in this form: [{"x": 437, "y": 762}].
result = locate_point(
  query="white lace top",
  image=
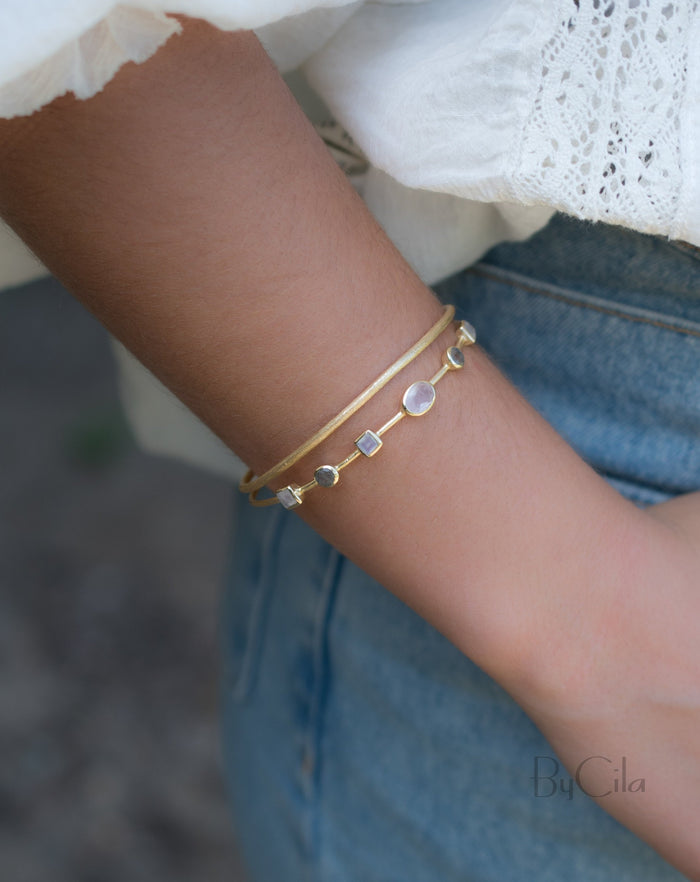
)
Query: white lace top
[{"x": 478, "y": 118}]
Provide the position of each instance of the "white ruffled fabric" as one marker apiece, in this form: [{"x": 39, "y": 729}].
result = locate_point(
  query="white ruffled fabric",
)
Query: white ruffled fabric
[
  {"x": 591, "y": 107},
  {"x": 478, "y": 119}
]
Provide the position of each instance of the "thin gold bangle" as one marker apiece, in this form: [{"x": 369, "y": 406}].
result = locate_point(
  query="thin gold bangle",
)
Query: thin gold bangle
[
  {"x": 417, "y": 400},
  {"x": 251, "y": 483}
]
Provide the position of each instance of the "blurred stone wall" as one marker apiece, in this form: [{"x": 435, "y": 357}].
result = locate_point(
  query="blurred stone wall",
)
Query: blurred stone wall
[{"x": 110, "y": 562}]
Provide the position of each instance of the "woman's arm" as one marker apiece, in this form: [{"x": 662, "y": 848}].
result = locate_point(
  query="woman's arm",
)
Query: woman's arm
[{"x": 193, "y": 209}]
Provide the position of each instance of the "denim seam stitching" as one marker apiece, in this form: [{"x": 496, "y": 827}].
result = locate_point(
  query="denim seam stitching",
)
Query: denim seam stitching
[
  {"x": 247, "y": 672},
  {"x": 572, "y": 301},
  {"x": 321, "y": 622}
]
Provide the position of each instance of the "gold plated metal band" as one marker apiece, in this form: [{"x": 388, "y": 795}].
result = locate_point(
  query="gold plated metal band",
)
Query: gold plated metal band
[
  {"x": 417, "y": 400},
  {"x": 251, "y": 482}
]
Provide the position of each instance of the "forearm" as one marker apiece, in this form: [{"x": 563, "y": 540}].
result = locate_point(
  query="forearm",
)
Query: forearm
[{"x": 191, "y": 206}]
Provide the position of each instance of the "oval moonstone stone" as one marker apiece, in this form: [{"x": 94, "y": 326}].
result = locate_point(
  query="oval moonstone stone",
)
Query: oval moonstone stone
[{"x": 419, "y": 398}]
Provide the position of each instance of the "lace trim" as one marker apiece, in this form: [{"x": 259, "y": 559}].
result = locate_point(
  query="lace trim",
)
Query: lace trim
[{"x": 602, "y": 140}]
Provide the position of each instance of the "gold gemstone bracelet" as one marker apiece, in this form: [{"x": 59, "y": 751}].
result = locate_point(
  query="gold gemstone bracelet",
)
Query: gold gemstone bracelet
[
  {"x": 251, "y": 483},
  {"x": 417, "y": 400}
]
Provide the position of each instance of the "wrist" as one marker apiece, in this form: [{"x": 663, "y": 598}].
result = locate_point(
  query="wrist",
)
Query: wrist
[{"x": 641, "y": 599}]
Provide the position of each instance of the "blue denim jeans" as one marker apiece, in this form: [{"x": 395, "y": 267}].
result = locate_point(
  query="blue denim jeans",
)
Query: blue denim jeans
[{"x": 359, "y": 743}]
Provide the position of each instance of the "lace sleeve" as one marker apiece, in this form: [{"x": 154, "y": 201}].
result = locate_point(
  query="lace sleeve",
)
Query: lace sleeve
[{"x": 604, "y": 137}]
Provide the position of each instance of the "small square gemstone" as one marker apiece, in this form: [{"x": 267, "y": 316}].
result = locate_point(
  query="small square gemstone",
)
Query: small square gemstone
[
  {"x": 368, "y": 443},
  {"x": 289, "y": 497},
  {"x": 467, "y": 330}
]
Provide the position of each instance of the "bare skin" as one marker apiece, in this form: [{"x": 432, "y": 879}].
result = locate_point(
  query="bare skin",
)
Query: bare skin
[{"x": 193, "y": 209}]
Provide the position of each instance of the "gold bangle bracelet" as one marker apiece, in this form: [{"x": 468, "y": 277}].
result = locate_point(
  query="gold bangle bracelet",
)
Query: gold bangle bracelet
[
  {"x": 417, "y": 400},
  {"x": 251, "y": 483}
]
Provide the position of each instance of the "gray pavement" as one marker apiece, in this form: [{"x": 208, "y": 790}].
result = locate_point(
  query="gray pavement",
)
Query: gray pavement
[{"x": 110, "y": 562}]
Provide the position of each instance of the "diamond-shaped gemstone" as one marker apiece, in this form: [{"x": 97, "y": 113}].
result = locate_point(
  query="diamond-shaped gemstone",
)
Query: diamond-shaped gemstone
[
  {"x": 289, "y": 497},
  {"x": 368, "y": 443},
  {"x": 468, "y": 331},
  {"x": 419, "y": 398}
]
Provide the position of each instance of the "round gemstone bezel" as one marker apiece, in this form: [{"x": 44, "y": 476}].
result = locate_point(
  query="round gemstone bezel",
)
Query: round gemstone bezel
[
  {"x": 327, "y": 476},
  {"x": 454, "y": 358}
]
